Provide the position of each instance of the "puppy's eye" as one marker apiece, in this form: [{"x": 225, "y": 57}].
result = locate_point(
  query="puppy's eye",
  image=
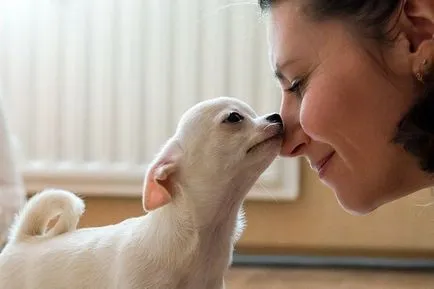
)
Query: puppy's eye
[{"x": 234, "y": 117}]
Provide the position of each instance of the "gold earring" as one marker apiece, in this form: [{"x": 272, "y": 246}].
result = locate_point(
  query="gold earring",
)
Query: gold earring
[
  {"x": 422, "y": 71},
  {"x": 419, "y": 77}
]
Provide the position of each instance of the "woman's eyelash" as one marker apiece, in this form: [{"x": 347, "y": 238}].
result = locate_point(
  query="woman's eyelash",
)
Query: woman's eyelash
[{"x": 295, "y": 86}]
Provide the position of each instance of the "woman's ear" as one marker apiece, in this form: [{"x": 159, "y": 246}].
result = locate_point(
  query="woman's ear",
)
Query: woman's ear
[
  {"x": 423, "y": 61},
  {"x": 417, "y": 24},
  {"x": 420, "y": 11},
  {"x": 418, "y": 19}
]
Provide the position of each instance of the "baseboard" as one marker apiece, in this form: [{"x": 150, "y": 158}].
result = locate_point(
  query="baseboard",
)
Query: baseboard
[{"x": 353, "y": 262}]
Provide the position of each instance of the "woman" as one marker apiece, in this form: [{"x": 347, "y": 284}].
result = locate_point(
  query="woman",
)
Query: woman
[
  {"x": 12, "y": 193},
  {"x": 357, "y": 93}
]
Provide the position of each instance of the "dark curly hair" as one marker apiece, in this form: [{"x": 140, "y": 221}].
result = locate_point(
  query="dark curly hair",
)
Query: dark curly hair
[{"x": 372, "y": 18}]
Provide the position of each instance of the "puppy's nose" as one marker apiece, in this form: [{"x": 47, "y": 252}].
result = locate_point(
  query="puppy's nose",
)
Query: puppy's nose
[{"x": 274, "y": 118}]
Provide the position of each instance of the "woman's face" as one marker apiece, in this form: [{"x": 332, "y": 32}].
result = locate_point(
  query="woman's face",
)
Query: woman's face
[{"x": 340, "y": 105}]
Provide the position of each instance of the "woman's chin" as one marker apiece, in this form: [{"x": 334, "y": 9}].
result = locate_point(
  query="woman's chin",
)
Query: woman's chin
[{"x": 355, "y": 206}]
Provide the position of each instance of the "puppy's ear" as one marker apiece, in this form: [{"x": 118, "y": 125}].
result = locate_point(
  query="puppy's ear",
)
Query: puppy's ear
[{"x": 159, "y": 184}]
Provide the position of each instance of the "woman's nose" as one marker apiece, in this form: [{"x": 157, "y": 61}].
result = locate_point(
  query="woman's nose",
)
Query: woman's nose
[{"x": 295, "y": 140}]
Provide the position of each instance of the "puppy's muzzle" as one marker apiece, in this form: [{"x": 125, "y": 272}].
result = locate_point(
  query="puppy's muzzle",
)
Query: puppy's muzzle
[{"x": 276, "y": 123}]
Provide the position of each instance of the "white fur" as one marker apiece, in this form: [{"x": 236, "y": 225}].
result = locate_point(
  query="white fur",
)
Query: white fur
[
  {"x": 12, "y": 193},
  {"x": 34, "y": 218},
  {"x": 187, "y": 243}
]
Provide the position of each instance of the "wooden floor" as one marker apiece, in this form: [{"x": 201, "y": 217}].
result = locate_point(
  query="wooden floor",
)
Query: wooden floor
[{"x": 257, "y": 278}]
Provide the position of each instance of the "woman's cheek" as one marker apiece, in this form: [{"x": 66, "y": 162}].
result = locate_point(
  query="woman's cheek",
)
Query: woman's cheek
[{"x": 316, "y": 115}]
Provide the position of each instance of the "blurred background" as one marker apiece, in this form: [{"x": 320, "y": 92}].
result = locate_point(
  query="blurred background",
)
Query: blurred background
[{"x": 94, "y": 88}]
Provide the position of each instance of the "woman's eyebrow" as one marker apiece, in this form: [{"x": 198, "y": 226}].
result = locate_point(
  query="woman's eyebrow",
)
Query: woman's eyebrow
[
  {"x": 280, "y": 67},
  {"x": 278, "y": 74}
]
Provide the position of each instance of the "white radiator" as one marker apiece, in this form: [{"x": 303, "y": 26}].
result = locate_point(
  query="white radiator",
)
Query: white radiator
[{"x": 94, "y": 87}]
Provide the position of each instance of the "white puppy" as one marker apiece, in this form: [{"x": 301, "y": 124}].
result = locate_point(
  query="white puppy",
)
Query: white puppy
[{"x": 193, "y": 193}]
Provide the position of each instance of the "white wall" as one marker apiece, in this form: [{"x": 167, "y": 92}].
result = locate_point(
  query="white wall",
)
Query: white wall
[{"x": 96, "y": 86}]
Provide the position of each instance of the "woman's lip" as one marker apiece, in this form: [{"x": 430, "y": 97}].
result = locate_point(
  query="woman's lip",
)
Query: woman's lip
[{"x": 321, "y": 166}]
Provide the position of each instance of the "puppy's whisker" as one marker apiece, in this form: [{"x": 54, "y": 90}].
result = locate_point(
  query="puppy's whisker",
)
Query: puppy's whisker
[
  {"x": 216, "y": 11},
  {"x": 425, "y": 205},
  {"x": 262, "y": 186},
  {"x": 239, "y": 3}
]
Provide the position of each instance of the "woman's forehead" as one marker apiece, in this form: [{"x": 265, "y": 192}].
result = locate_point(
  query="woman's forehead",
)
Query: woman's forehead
[
  {"x": 290, "y": 35},
  {"x": 293, "y": 36}
]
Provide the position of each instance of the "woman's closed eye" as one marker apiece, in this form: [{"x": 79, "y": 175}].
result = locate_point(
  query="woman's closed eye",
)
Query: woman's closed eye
[{"x": 296, "y": 87}]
